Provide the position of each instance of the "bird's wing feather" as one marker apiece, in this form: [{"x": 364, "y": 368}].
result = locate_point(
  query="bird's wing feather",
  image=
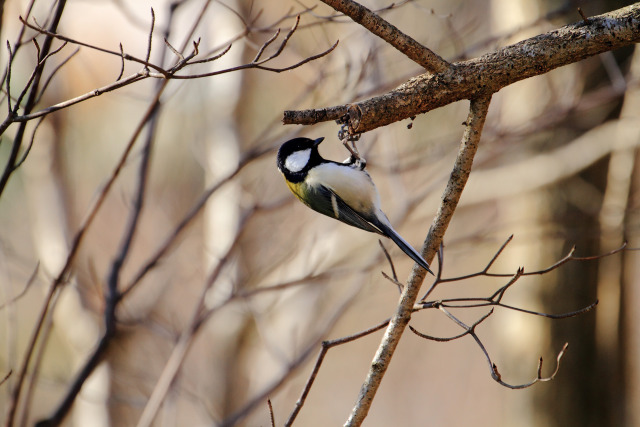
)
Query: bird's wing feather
[
  {"x": 329, "y": 203},
  {"x": 402, "y": 244}
]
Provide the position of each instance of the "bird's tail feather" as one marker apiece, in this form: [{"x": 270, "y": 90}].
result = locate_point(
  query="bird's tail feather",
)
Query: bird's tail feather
[{"x": 404, "y": 245}]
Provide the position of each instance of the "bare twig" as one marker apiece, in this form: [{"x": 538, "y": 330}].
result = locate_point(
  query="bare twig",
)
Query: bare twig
[
  {"x": 236, "y": 417},
  {"x": 583, "y": 16},
  {"x": 8, "y": 80},
  {"x": 31, "y": 141},
  {"x": 121, "y": 62},
  {"x": 498, "y": 378},
  {"x": 188, "y": 218},
  {"x": 266, "y": 44},
  {"x": 257, "y": 66},
  {"x": 53, "y": 73},
  {"x": 160, "y": 71},
  {"x": 6, "y": 377},
  {"x": 492, "y": 366},
  {"x": 126, "y": 56},
  {"x": 272, "y": 417},
  {"x": 393, "y": 279},
  {"x": 455, "y": 337},
  {"x": 150, "y": 39},
  {"x": 326, "y": 346},
  {"x": 485, "y": 271},
  {"x": 92, "y": 94},
  {"x": 24, "y": 290},
  {"x": 392, "y": 35}
]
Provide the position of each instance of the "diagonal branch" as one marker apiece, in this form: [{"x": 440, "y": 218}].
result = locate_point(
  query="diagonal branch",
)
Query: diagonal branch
[
  {"x": 392, "y": 35},
  {"x": 487, "y": 74},
  {"x": 402, "y": 316}
]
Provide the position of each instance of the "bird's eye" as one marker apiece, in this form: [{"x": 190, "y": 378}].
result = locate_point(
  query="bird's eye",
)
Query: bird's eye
[{"x": 298, "y": 160}]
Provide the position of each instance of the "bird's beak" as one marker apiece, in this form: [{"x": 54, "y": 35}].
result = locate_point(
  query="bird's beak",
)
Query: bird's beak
[{"x": 318, "y": 141}]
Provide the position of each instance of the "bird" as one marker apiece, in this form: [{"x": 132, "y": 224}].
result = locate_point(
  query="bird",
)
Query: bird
[{"x": 343, "y": 191}]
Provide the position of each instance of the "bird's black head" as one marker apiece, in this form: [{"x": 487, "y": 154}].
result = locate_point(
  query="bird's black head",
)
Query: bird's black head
[{"x": 297, "y": 156}]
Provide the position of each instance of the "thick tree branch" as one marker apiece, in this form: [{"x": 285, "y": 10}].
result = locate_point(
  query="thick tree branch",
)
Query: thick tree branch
[
  {"x": 402, "y": 316},
  {"x": 487, "y": 74},
  {"x": 392, "y": 35}
]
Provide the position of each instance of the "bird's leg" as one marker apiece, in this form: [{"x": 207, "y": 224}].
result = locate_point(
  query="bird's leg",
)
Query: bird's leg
[
  {"x": 345, "y": 136},
  {"x": 360, "y": 161}
]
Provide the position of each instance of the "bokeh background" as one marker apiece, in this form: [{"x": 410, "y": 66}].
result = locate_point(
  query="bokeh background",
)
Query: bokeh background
[{"x": 557, "y": 168}]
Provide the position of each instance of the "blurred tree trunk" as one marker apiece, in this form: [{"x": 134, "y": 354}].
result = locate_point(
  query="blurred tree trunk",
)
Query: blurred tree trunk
[
  {"x": 590, "y": 208},
  {"x": 630, "y": 297},
  {"x": 74, "y": 325},
  {"x": 629, "y": 271},
  {"x": 526, "y": 331},
  {"x": 224, "y": 142}
]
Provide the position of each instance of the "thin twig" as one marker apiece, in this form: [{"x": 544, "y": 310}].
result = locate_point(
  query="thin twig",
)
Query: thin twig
[
  {"x": 161, "y": 73},
  {"x": 55, "y": 71},
  {"x": 493, "y": 367},
  {"x": 24, "y": 290},
  {"x": 256, "y": 58},
  {"x": 121, "y": 63},
  {"x": 31, "y": 141},
  {"x": 455, "y": 337},
  {"x": 150, "y": 39},
  {"x": 392, "y": 35},
  {"x": 326, "y": 346},
  {"x": 272, "y": 417},
  {"x": 6, "y": 377},
  {"x": 393, "y": 279},
  {"x": 569, "y": 257},
  {"x": 187, "y": 219},
  {"x": 126, "y": 56}
]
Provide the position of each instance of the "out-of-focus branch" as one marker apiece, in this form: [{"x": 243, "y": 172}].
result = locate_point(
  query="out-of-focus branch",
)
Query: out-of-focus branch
[
  {"x": 487, "y": 74},
  {"x": 112, "y": 296},
  {"x": 400, "y": 320},
  {"x": 235, "y": 418},
  {"x": 6, "y": 377},
  {"x": 171, "y": 73},
  {"x": 326, "y": 346},
  {"x": 24, "y": 290},
  {"x": 188, "y": 335},
  {"x": 392, "y": 35},
  {"x": 34, "y": 89}
]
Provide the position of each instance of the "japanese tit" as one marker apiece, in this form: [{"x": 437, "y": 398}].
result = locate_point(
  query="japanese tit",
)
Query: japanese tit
[{"x": 343, "y": 191}]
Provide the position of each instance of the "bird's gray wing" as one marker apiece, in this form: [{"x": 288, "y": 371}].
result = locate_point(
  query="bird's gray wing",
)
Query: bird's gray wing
[{"x": 330, "y": 204}]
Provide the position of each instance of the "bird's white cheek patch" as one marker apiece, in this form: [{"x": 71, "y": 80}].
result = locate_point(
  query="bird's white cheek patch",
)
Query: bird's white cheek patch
[{"x": 297, "y": 161}]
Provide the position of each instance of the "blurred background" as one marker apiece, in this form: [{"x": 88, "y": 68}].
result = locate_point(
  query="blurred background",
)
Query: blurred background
[{"x": 269, "y": 278}]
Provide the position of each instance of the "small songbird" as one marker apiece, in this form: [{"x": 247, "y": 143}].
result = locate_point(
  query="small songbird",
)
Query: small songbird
[{"x": 343, "y": 191}]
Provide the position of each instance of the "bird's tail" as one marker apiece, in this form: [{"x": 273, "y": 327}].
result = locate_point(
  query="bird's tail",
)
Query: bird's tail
[{"x": 404, "y": 245}]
